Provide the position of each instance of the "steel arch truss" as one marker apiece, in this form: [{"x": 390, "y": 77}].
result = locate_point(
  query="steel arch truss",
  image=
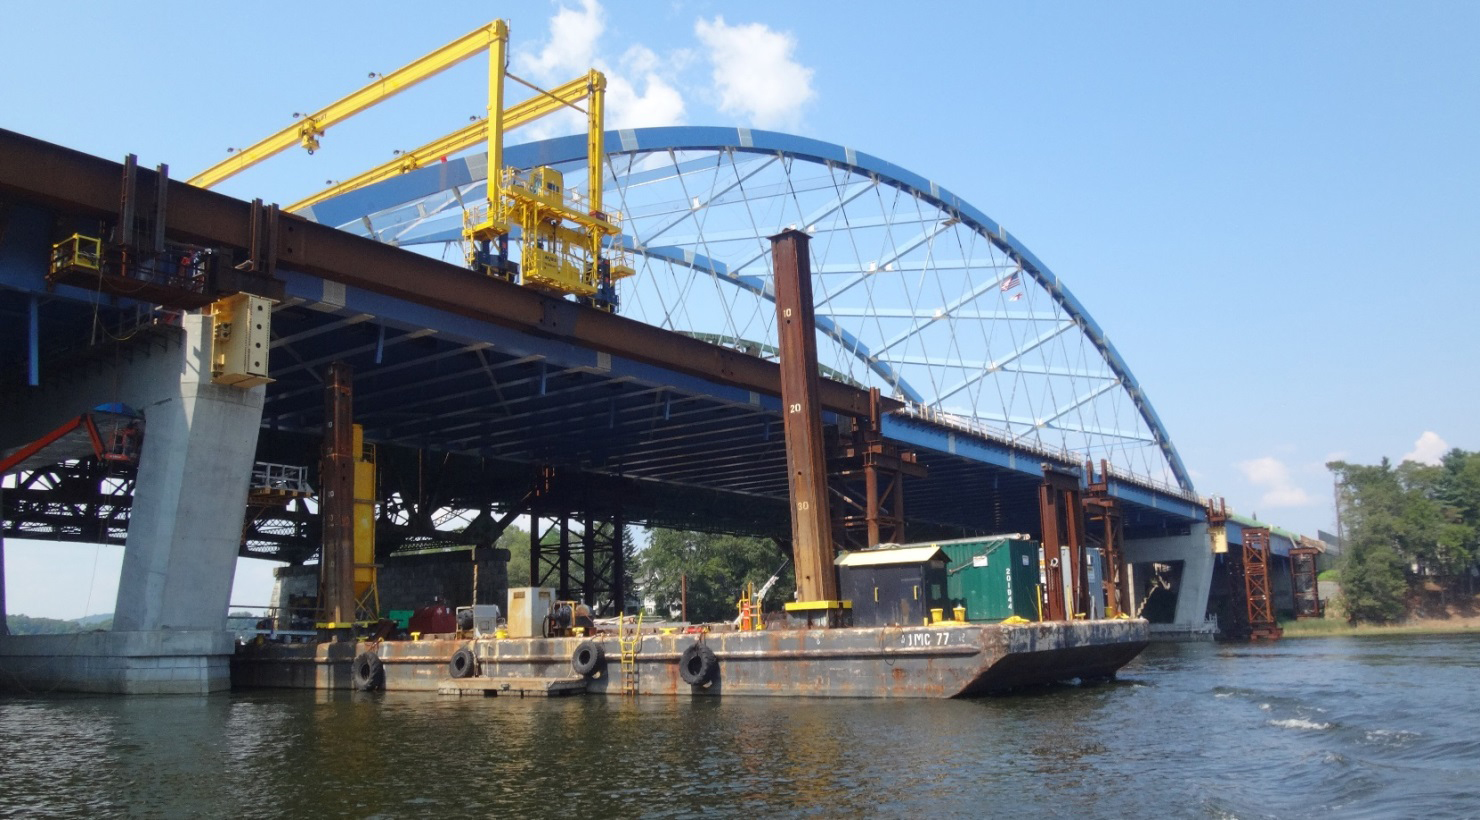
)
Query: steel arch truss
[{"x": 917, "y": 291}]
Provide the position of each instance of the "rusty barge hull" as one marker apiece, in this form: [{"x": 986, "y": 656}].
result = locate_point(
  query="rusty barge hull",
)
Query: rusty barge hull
[{"x": 938, "y": 661}]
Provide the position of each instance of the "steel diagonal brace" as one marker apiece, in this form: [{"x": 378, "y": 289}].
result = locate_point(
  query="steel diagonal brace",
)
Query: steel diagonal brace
[
  {"x": 883, "y": 263},
  {"x": 698, "y": 206},
  {"x": 1077, "y": 403},
  {"x": 1000, "y": 363},
  {"x": 942, "y": 313},
  {"x": 826, "y": 210}
]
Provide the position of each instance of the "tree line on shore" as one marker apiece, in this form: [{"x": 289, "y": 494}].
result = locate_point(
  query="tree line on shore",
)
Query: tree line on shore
[
  {"x": 1407, "y": 528},
  {"x": 29, "y": 625}
]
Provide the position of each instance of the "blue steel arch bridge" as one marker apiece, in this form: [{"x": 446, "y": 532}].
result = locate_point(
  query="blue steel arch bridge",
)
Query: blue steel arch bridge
[{"x": 484, "y": 397}]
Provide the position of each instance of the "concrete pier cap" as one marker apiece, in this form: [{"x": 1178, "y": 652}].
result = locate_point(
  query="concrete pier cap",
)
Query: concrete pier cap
[{"x": 200, "y": 439}]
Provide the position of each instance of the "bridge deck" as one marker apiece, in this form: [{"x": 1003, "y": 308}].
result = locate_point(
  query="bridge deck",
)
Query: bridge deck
[{"x": 498, "y": 379}]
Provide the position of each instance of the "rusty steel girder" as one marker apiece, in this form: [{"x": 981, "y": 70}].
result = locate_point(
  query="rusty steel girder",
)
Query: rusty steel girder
[
  {"x": 868, "y": 485},
  {"x": 806, "y": 466},
  {"x": 337, "y": 497},
  {"x": 1102, "y": 511},
  {"x": 1305, "y": 586},
  {"x": 1061, "y": 518}
]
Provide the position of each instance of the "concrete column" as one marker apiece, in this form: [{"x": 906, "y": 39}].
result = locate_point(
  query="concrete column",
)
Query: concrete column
[
  {"x": 1195, "y": 551},
  {"x": 169, "y": 625},
  {"x": 4, "y": 627},
  {"x": 1197, "y": 578},
  {"x": 194, "y": 469}
]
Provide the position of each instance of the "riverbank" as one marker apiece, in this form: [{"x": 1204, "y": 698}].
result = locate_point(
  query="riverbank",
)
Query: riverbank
[{"x": 1335, "y": 627}]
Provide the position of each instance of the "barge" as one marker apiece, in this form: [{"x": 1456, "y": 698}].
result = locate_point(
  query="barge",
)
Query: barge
[{"x": 943, "y": 660}]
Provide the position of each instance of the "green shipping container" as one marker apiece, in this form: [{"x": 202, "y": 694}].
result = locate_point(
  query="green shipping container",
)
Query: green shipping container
[{"x": 994, "y": 578}]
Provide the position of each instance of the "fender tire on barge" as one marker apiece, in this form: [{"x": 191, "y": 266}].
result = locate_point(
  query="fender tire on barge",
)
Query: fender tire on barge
[
  {"x": 369, "y": 672},
  {"x": 698, "y": 665},
  {"x": 587, "y": 659},
  {"x": 463, "y": 664}
]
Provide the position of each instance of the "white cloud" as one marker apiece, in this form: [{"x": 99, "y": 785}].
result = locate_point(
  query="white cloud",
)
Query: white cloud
[
  {"x": 754, "y": 72},
  {"x": 571, "y": 49},
  {"x": 1273, "y": 477},
  {"x": 1429, "y": 449},
  {"x": 658, "y": 104},
  {"x": 638, "y": 95}
]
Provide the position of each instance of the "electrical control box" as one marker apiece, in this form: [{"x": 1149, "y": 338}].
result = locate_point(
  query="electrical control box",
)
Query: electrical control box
[{"x": 528, "y": 607}]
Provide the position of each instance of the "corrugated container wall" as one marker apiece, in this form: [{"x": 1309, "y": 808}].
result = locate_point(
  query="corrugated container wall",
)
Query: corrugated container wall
[{"x": 994, "y": 578}]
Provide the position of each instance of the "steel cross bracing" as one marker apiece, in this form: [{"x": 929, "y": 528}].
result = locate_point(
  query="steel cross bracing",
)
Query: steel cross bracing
[{"x": 917, "y": 291}]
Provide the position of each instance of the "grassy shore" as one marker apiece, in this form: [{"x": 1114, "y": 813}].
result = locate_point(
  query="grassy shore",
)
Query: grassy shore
[{"x": 1327, "y": 627}]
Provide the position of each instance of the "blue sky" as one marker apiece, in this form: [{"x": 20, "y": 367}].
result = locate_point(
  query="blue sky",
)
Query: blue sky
[{"x": 1268, "y": 207}]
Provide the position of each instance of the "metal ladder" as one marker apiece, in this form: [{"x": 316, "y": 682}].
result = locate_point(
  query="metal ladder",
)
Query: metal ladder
[{"x": 628, "y": 641}]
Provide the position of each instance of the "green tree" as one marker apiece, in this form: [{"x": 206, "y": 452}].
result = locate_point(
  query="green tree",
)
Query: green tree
[
  {"x": 1372, "y": 508},
  {"x": 715, "y": 569},
  {"x": 516, "y": 541},
  {"x": 1459, "y": 490},
  {"x": 1373, "y": 584},
  {"x": 1417, "y": 516}
]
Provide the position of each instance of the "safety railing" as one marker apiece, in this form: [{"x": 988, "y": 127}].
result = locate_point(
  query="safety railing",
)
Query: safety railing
[
  {"x": 287, "y": 479},
  {"x": 77, "y": 253},
  {"x": 1064, "y": 456}
]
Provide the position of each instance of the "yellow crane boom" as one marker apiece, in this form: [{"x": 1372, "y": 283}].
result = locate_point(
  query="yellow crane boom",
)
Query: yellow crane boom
[
  {"x": 561, "y": 234},
  {"x": 307, "y": 130},
  {"x": 474, "y": 133}
]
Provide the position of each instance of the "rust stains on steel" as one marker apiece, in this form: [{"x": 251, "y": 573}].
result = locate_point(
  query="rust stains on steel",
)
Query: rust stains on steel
[
  {"x": 1102, "y": 509},
  {"x": 806, "y": 467},
  {"x": 1061, "y": 517},
  {"x": 1262, "y": 624},
  {"x": 916, "y": 662},
  {"x": 337, "y": 570},
  {"x": 40, "y": 172}
]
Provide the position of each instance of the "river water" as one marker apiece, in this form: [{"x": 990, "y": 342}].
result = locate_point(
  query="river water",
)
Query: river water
[{"x": 1347, "y": 727}]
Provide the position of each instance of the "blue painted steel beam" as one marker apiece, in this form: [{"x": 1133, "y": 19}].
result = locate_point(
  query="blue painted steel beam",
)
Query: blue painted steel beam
[
  {"x": 33, "y": 339},
  {"x": 921, "y": 435},
  {"x": 1130, "y": 493}
]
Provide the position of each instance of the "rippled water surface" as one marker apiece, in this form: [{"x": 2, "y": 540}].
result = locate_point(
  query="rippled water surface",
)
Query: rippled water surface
[{"x": 1369, "y": 727}]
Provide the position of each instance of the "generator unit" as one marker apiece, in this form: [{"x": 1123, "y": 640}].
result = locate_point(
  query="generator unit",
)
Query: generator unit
[{"x": 896, "y": 586}]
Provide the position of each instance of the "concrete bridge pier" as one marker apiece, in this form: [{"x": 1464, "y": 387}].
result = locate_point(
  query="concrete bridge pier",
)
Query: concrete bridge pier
[
  {"x": 1191, "y": 558},
  {"x": 169, "y": 629}
]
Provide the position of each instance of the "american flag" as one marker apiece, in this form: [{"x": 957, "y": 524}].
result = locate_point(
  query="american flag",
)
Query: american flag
[{"x": 1011, "y": 282}]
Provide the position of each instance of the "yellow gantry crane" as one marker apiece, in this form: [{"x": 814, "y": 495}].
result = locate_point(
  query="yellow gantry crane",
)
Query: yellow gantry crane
[{"x": 565, "y": 246}]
